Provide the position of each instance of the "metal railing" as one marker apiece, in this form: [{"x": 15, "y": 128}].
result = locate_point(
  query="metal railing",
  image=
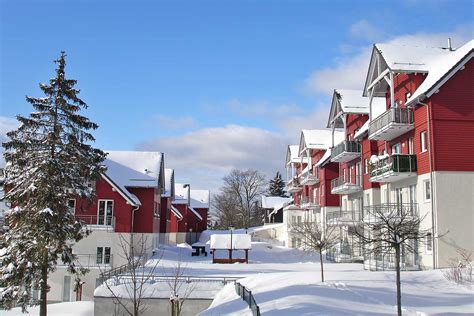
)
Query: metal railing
[
  {"x": 93, "y": 260},
  {"x": 95, "y": 220},
  {"x": 344, "y": 181},
  {"x": 392, "y": 115},
  {"x": 344, "y": 216},
  {"x": 308, "y": 202},
  {"x": 123, "y": 269},
  {"x": 391, "y": 209},
  {"x": 127, "y": 278},
  {"x": 346, "y": 146},
  {"x": 248, "y": 297},
  {"x": 394, "y": 163},
  {"x": 307, "y": 177}
]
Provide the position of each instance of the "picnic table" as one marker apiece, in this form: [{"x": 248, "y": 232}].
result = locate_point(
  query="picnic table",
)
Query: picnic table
[{"x": 199, "y": 248}]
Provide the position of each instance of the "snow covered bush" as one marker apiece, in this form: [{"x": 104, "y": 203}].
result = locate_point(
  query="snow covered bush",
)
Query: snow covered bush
[{"x": 460, "y": 270}]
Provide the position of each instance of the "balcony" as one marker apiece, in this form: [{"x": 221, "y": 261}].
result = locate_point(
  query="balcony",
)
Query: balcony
[
  {"x": 342, "y": 185},
  {"x": 92, "y": 261},
  {"x": 95, "y": 222},
  {"x": 390, "y": 210},
  {"x": 391, "y": 124},
  {"x": 344, "y": 218},
  {"x": 346, "y": 151},
  {"x": 308, "y": 178},
  {"x": 393, "y": 168},
  {"x": 308, "y": 203},
  {"x": 293, "y": 186}
]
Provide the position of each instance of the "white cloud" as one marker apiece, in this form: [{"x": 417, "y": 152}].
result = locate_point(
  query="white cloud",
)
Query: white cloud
[
  {"x": 204, "y": 156},
  {"x": 364, "y": 30},
  {"x": 174, "y": 123},
  {"x": 349, "y": 71}
]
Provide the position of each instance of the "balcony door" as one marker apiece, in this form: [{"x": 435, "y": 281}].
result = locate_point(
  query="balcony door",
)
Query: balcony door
[
  {"x": 105, "y": 212},
  {"x": 358, "y": 173}
]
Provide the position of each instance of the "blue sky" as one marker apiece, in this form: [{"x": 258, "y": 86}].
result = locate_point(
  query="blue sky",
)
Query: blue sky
[{"x": 184, "y": 76}]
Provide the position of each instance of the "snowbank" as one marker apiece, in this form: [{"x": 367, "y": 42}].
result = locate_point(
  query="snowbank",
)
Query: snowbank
[{"x": 84, "y": 308}]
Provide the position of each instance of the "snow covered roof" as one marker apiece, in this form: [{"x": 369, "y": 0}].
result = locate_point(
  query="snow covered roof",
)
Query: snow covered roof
[
  {"x": 196, "y": 213},
  {"x": 320, "y": 139},
  {"x": 133, "y": 169},
  {"x": 292, "y": 154},
  {"x": 274, "y": 202},
  {"x": 169, "y": 183},
  {"x": 324, "y": 158},
  {"x": 228, "y": 241},
  {"x": 199, "y": 198},
  {"x": 345, "y": 101},
  {"x": 442, "y": 68},
  {"x": 176, "y": 212},
  {"x": 412, "y": 59}
]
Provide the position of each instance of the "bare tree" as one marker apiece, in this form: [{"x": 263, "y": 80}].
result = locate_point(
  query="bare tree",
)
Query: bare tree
[
  {"x": 179, "y": 294},
  {"x": 237, "y": 204},
  {"x": 388, "y": 228},
  {"x": 314, "y": 237},
  {"x": 135, "y": 275}
]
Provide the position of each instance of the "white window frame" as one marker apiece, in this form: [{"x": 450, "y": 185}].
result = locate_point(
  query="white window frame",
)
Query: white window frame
[
  {"x": 66, "y": 297},
  {"x": 105, "y": 211},
  {"x": 411, "y": 150},
  {"x": 396, "y": 148},
  {"x": 425, "y": 195},
  {"x": 366, "y": 168},
  {"x": 429, "y": 243},
  {"x": 103, "y": 261},
  {"x": 423, "y": 142}
]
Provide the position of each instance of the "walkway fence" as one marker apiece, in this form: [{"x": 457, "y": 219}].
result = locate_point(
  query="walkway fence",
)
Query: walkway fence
[{"x": 248, "y": 297}]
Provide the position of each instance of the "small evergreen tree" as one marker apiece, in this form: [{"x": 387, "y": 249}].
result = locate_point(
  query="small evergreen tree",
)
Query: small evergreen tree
[
  {"x": 48, "y": 160},
  {"x": 277, "y": 186}
]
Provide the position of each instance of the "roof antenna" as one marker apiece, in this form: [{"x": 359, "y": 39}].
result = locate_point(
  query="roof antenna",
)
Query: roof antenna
[{"x": 449, "y": 44}]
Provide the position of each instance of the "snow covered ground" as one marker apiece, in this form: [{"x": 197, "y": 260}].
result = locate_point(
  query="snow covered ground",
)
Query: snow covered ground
[
  {"x": 61, "y": 309},
  {"x": 287, "y": 282}
]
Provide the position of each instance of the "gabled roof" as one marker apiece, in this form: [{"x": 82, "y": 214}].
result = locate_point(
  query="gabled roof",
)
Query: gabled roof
[
  {"x": 169, "y": 183},
  {"x": 176, "y": 212},
  {"x": 319, "y": 139},
  {"x": 292, "y": 154},
  {"x": 324, "y": 158},
  {"x": 408, "y": 59},
  {"x": 196, "y": 213},
  {"x": 199, "y": 198},
  {"x": 345, "y": 101},
  {"x": 134, "y": 169},
  {"x": 443, "y": 68}
]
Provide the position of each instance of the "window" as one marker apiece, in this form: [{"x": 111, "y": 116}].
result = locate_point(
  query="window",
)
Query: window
[
  {"x": 423, "y": 141},
  {"x": 298, "y": 219},
  {"x": 105, "y": 212},
  {"x": 427, "y": 187},
  {"x": 67, "y": 288},
  {"x": 412, "y": 192},
  {"x": 344, "y": 174},
  {"x": 103, "y": 255},
  {"x": 410, "y": 146},
  {"x": 71, "y": 205},
  {"x": 396, "y": 149},
  {"x": 157, "y": 209},
  {"x": 429, "y": 242},
  {"x": 366, "y": 166}
]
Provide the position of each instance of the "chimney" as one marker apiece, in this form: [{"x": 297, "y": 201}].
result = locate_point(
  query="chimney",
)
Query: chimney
[{"x": 449, "y": 44}]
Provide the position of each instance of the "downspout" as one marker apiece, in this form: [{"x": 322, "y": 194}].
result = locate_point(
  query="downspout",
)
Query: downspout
[
  {"x": 132, "y": 231},
  {"x": 433, "y": 213}
]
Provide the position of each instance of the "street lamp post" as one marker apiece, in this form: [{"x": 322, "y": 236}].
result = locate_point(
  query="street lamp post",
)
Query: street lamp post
[{"x": 231, "y": 228}]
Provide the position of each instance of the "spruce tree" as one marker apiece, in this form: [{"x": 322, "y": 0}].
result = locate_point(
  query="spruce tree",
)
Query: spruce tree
[
  {"x": 277, "y": 186},
  {"x": 49, "y": 160}
]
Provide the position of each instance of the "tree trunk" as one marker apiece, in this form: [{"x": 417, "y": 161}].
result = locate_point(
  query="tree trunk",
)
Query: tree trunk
[
  {"x": 44, "y": 289},
  {"x": 399, "y": 284},
  {"x": 321, "y": 262}
]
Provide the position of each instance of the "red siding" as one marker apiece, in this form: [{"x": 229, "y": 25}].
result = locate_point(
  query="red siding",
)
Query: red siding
[
  {"x": 452, "y": 125},
  {"x": 145, "y": 221},
  {"x": 122, "y": 211}
]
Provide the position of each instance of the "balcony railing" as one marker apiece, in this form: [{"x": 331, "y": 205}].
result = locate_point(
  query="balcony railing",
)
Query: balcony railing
[
  {"x": 391, "y": 124},
  {"x": 343, "y": 185},
  {"x": 393, "y": 168},
  {"x": 344, "y": 217},
  {"x": 308, "y": 178},
  {"x": 346, "y": 151},
  {"x": 293, "y": 186},
  {"x": 390, "y": 210},
  {"x": 92, "y": 260},
  {"x": 96, "y": 222},
  {"x": 309, "y": 203}
]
